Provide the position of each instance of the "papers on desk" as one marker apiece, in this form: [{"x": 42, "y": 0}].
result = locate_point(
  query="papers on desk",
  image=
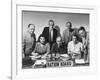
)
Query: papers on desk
[
  {"x": 64, "y": 55},
  {"x": 79, "y": 61},
  {"x": 39, "y": 63},
  {"x": 42, "y": 62},
  {"x": 34, "y": 57}
]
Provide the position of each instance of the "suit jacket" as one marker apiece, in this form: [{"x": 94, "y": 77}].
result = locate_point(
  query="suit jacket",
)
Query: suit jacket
[
  {"x": 67, "y": 35},
  {"x": 45, "y": 33},
  {"x": 28, "y": 43},
  {"x": 61, "y": 49}
]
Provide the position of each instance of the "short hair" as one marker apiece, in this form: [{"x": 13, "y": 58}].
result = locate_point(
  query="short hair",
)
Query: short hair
[
  {"x": 69, "y": 23},
  {"x": 30, "y": 25},
  {"x": 75, "y": 36},
  {"x": 41, "y": 35},
  {"x": 81, "y": 28},
  {"x": 51, "y": 21}
]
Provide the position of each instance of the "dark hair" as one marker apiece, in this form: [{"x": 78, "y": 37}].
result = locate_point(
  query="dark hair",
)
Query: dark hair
[
  {"x": 75, "y": 36},
  {"x": 81, "y": 28},
  {"x": 40, "y": 37},
  {"x": 30, "y": 25},
  {"x": 51, "y": 21},
  {"x": 69, "y": 23}
]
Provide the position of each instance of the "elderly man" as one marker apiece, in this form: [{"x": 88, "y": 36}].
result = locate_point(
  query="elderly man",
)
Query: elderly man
[
  {"x": 58, "y": 47},
  {"x": 28, "y": 44},
  {"x": 50, "y": 33}
]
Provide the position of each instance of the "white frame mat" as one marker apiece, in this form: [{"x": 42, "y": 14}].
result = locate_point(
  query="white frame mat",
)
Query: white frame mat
[{"x": 17, "y": 72}]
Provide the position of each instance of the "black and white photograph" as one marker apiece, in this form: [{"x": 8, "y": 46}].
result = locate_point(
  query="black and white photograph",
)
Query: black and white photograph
[
  {"x": 50, "y": 40},
  {"x": 55, "y": 39}
]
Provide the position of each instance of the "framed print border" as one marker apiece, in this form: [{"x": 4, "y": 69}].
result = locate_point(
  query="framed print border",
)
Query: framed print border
[{"x": 16, "y": 21}]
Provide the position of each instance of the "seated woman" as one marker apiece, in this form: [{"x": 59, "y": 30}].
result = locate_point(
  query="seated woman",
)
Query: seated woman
[
  {"x": 41, "y": 49},
  {"x": 75, "y": 48}
]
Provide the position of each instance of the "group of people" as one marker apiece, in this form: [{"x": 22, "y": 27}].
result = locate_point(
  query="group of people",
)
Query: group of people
[{"x": 73, "y": 42}]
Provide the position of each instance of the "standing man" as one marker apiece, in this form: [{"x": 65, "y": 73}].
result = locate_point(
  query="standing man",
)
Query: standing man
[
  {"x": 84, "y": 38},
  {"x": 28, "y": 44},
  {"x": 68, "y": 32},
  {"x": 50, "y": 33}
]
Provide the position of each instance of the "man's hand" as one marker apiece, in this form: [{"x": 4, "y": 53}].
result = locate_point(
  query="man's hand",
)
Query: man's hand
[
  {"x": 35, "y": 57},
  {"x": 57, "y": 55},
  {"x": 44, "y": 56},
  {"x": 34, "y": 54}
]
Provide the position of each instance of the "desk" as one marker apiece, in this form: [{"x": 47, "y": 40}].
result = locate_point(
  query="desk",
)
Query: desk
[
  {"x": 48, "y": 63},
  {"x": 52, "y": 64}
]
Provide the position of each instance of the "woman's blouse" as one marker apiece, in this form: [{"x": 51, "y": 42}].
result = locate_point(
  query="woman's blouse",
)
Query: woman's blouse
[{"x": 42, "y": 48}]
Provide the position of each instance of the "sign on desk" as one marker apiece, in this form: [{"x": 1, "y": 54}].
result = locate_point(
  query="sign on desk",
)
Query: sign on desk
[{"x": 59, "y": 64}]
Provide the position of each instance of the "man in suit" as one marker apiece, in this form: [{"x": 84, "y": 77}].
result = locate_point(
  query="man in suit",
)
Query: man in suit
[
  {"x": 58, "y": 47},
  {"x": 50, "y": 33},
  {"x": 68, "y": 33},
  {"x": 28, "y": 45}
]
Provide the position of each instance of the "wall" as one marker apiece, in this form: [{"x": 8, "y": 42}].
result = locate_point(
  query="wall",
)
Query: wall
[{"x": 40, "y": 20}]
